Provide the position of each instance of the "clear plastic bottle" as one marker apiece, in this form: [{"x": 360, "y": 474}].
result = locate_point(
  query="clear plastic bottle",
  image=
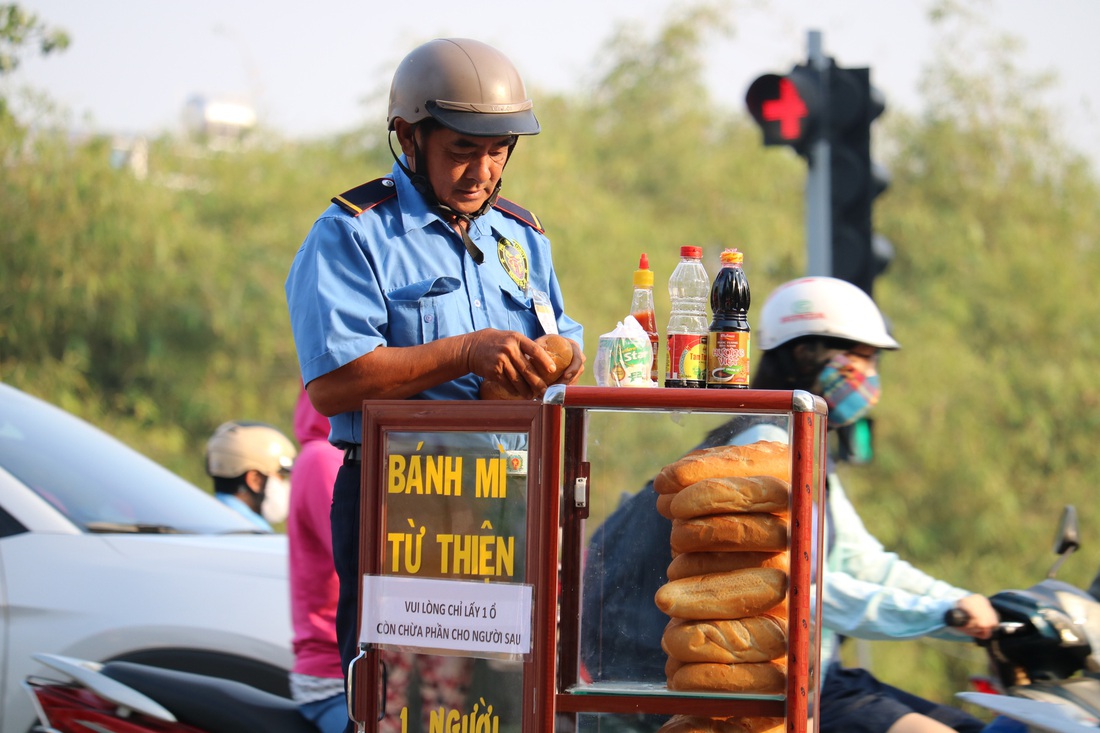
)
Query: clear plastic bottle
[
  {"x": 641, "y": 307},
  {"x": 728, "y": 342},
  {"x": 686, "y": 336}
]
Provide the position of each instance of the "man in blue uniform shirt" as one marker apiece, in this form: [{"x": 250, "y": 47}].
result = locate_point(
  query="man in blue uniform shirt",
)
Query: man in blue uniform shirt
[{"x": 424, "y": 283}]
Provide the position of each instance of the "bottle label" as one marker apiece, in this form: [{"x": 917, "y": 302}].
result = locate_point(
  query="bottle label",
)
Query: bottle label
[
  {"x": 687, "y": 357},
  {"x": 728, "y": 359}
]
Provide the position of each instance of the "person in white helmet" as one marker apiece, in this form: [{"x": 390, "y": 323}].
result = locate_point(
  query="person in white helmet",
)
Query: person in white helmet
[
  {"x": 822, "y": 335},
  {"x": 250, "y": 464},
  {"x": 425, "y": 282}
]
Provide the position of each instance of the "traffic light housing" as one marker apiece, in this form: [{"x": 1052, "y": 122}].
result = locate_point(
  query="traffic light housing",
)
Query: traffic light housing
[
  {"x": 855, "y": 180},
  {"x": 836, "y": 105}
]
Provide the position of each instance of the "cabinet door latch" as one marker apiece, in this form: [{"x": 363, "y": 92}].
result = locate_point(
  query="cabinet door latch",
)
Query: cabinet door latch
[{"x": 580, "y": 492}]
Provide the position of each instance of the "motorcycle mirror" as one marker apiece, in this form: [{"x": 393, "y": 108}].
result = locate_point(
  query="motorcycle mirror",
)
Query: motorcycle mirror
[{"x": 1066, "y": 542}]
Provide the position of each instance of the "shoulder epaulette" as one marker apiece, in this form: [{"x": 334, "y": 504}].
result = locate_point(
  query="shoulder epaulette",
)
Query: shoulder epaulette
[
  {"x": 365, "y": 197},
  {"x": 518, "y": 212}
]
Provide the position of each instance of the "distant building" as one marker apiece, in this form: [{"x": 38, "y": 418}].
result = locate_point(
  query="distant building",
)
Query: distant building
[
  {"x": 218, "y": 121},
  {"x": 131, "y": 153}
]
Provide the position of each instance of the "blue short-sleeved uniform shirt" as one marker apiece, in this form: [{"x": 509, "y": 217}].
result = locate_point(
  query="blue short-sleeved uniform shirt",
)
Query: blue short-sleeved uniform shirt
[{"x": 399, "y": 275}]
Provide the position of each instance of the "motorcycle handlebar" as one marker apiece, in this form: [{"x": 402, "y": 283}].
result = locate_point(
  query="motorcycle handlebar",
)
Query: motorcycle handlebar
[{"x": 956, "y": 617}]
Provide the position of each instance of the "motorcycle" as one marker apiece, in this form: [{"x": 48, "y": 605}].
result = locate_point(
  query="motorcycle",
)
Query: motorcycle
[
  {"x": 1044, "y": 655},
  {"x": 123, "y": 697}
]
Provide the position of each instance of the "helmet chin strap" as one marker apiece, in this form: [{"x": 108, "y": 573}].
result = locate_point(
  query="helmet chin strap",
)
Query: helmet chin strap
[{"x": 421, "y": 183}]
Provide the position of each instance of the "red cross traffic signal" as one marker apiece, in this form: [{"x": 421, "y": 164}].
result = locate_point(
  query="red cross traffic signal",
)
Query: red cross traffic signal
[{"x": 788, "y": 107}]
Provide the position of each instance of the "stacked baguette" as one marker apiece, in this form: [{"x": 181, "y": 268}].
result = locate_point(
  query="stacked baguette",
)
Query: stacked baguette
[
  {"x": 699, "y": 724},
  {"x": 727, "y": 589}
]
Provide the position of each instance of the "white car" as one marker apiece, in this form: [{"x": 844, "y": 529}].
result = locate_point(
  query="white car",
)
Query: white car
[{"x": 106, "y": 555}]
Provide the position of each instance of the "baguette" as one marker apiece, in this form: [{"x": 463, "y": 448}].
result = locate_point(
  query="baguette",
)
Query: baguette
[
  {"x": 699, "y": 724},
  {"x": 734, "y": 594},
  {"x": 687, "y": 564},
  {"x": 762, "y": 678},
  {"x": 729, "y": 495},
  {"x": 763, "y": 458},
  {"x": 664, "y": 505},
  {"x": 671, "y": 665},
  {"x": 729, "y": 533},
  {"x": 779, "y": 610},
  {"x": 493, "y": 390},
  {"x": 752, "y": 639}
]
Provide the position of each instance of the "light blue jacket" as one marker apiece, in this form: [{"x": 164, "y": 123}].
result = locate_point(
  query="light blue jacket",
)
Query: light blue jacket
[
  {"x": 869, "y": 592},
  {"x": 244, "y": 510}
]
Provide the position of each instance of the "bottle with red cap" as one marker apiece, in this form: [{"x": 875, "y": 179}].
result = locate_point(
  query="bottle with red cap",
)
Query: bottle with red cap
[
  {"x": 641, "y": 307},
  {"x": 686, "y": 335}
]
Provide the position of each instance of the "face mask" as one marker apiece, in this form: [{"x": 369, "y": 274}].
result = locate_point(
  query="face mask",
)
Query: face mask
[
  {"x": 276, "y": 503},
  {"x": 848, "y": 390}
]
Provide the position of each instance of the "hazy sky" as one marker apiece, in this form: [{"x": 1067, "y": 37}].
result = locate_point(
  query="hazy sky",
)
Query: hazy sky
[{"x": 308, "y": 67}]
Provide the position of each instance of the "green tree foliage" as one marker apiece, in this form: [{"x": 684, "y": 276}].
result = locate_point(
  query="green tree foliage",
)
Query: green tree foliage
[
  {"x": 644, "y": 161},
  {"x": 157, "y": 301},
  {"x": 154, "y": 306},
  {"x": 20, "y": 30},
  {"x": 987, "y": 428}
]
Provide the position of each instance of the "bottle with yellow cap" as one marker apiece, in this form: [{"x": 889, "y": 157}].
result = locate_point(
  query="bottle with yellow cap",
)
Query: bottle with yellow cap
[
  {"x": 728, "y": 340},
  {"x": 641, "y": 307}
]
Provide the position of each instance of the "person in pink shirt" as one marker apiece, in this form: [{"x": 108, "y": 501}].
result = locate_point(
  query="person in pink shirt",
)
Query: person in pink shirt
[{"x": 317, "y": 680}]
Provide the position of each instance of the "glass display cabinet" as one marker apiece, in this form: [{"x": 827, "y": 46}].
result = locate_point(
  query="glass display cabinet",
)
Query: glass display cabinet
[{"x": 510, "y": 554}]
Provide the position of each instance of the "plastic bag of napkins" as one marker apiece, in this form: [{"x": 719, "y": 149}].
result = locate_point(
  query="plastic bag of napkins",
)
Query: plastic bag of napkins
[{"x": 624, "y": 356}]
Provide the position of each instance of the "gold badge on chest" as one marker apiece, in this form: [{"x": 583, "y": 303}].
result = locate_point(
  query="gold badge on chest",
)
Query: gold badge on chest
[{"x": 514, "y": 260}]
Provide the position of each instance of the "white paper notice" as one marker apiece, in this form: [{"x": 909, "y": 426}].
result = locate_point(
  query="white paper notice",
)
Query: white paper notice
[{"x": 480, "y": 619}]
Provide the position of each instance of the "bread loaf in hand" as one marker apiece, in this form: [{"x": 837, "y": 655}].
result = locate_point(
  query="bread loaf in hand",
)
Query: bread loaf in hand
[
  {"x": 560, "y": 350},
  {"x": 729, "y": 533},
  {"x": 763, "y": 458},
  {"x": 734, "y": 594},
  {"x": 687, "y": 564},
  {"x": 762, "y": 678},
  {"x": 750, "y": 639}
]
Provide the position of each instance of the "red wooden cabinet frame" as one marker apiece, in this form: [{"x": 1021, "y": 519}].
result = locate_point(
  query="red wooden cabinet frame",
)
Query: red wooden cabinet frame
[{"x": 557, "y": 468}]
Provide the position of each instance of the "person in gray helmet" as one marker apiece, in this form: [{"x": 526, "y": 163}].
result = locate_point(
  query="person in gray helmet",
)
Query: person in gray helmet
[{"x": 425, "y": 282}]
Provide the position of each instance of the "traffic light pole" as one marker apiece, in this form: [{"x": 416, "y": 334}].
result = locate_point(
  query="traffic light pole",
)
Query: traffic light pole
[{"x": 818, "y": 209}]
